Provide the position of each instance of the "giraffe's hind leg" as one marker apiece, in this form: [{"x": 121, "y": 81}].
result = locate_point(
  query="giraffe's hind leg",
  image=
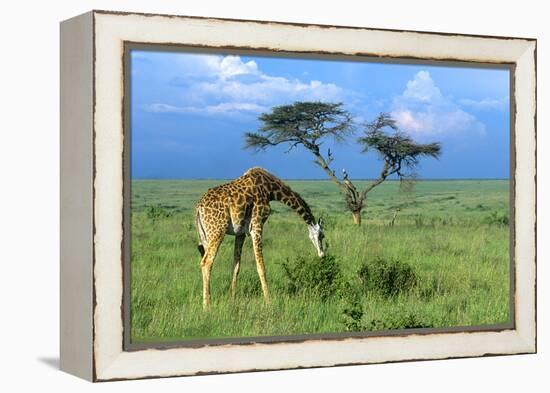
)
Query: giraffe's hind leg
[
  {"x": 239, "y": 241},
  {"x": 258, "y": 254},
  {"x": 206, "y": 266},
  {"x": 259, "y": 216}
]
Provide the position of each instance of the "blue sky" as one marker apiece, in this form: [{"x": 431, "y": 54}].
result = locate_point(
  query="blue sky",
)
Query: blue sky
[{"x": 189, "y": 113}]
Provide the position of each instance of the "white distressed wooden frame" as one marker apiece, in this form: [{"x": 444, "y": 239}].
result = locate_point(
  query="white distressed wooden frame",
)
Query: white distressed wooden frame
[{"x": 92, "y": 88}]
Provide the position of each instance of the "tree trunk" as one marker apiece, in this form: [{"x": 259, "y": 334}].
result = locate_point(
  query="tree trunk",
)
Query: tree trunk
[{"x": 356, "y": 215}]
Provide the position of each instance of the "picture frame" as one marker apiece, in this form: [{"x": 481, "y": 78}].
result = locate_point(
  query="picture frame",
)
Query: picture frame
[{"x": 94, "y": 340}]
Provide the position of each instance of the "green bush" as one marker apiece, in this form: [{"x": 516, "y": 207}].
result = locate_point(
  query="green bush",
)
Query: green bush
[
  {"x": 496, "y": 218},
  {"x": 387, "y": 277},
  {"x": 402, "y": 320},
  {"x": 313, "y": 276},
  {"x": 353, "y": 316},
  {"x": 156, "y": 212},
  {"x": 354, "y": 319}
]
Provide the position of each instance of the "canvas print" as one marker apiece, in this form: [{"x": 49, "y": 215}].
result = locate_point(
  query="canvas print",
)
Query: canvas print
[{"x": 275, "y": 196}]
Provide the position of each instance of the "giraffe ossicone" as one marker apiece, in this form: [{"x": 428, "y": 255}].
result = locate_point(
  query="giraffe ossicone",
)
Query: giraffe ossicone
[{"x": 241, "y": 207}]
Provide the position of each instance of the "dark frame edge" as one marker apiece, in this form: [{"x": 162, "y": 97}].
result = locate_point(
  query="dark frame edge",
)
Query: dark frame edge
[
  {"x": 94, "y": 296},
  {"x": 535, "y": 61}
]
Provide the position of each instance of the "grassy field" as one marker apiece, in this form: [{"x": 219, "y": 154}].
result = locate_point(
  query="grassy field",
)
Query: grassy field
[{"x": 444, "y": 263}]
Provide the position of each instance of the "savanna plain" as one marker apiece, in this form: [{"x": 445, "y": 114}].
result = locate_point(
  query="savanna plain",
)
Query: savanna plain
[{"x": 434, "y": 256}]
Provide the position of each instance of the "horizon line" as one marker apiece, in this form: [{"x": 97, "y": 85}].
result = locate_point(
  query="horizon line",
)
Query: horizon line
[{"x": 325, "y": 179}]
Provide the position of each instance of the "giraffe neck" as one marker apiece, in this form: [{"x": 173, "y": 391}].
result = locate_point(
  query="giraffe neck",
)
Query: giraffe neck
[{"x": 282, "y": 193}]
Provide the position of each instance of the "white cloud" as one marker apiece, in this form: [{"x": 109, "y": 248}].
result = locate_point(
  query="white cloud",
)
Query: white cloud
[
  {"x": 268, "y": 90},
  {"x": 227, "y": 84},
  {"x": 409, "y": 121},
  {"x": 223, "y": 108},
  {"x": 230, "y": 66},
  {"x": 485, "y": 104},
  {"x": 422, "y": 110},
  {"x": 422, "y": 88}
]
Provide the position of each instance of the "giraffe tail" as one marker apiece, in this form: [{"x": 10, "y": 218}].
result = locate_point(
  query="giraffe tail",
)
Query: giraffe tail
[
  {"x": 201, "y": 249},
  {"x": 202, "y": 234}
]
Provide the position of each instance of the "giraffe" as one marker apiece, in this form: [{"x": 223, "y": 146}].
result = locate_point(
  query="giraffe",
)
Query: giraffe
[{"x": 241, "y": 207}]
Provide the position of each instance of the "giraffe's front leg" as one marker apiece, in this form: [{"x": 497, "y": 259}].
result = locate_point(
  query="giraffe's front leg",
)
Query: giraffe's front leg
[
  {"x": 256, "y": 235},
  {"x": 239, "y": 241}
]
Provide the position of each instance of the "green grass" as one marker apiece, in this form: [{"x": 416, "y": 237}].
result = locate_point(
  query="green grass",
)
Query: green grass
[{"x": 452, "y": 235}]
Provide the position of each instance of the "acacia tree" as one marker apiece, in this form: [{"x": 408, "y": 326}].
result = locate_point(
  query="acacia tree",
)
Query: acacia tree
[
  {"x": 399, "y": 152},
  {"x": 310, "y": 123},
  {"x": 307, "y": 124}
]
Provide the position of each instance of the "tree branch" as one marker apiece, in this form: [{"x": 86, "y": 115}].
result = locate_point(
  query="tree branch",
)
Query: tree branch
[
  {"x": 383, "y": 175},
  {"x": 320, "y": 160},
  {"x": 292, "y": 146},
  {"x": 352, "y": 190}
]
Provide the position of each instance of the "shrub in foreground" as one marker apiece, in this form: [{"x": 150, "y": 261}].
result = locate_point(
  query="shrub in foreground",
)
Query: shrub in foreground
[
  {"x": 387, "y": 277},
  {"x": 313, "y": 276},
  {"x": 401, "y": 320},
  {"x": 353, "y": 315},
  {"x": 354, "y": 319}
]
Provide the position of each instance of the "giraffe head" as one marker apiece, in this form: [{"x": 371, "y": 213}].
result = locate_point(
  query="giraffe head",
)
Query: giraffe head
[{"x": 316, "y": 236}]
